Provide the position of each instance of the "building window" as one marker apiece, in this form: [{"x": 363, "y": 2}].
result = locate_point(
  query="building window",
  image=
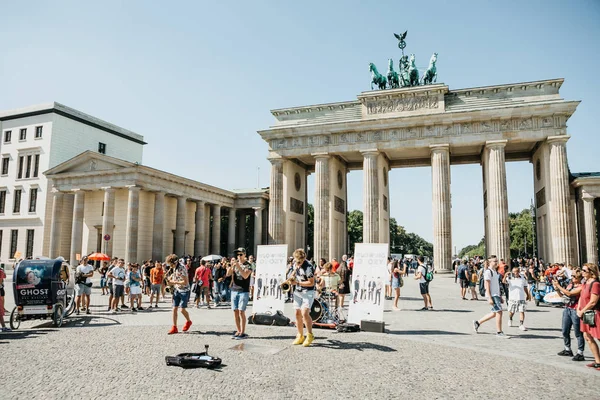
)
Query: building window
[
  {"x": 7, "y": 135},
  {"x": 38, "y": 132},
  {"x": 28, "y": 170},
  {"x": 29, "y": 247},
  {"x": 23, "y": 134},
  {"x": 14, "y": 237},
  {"x": 36, "y": 166},
  {"x": 17, "y": 203},
  {"x": 33, "y": 200},
  {"x": 2, "y": 201},
  {"x": 20, "y": 174},
  {"x": 5, "y": 161},
  {"x": 102, "y": 148}
]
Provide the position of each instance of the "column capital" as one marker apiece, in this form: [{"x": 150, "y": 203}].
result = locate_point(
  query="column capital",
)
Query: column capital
[
  {"x": 108, "y": 188},
  {"x": 587, "y": 197},
  {"x": 276, "y": 161},
  {"x": 133, "y": 187},
  {"x": 55, "y": 191},
  {"x": 560, "y": 139},
  {"x": 439, "y": 148},
  {"x": 495, "y": 143},
  {"x": 258, "y": 208},
  {"x": 317, "y": 156},
  {"x": 370, "y": 152},
  {"x": 199, "y": 202}
]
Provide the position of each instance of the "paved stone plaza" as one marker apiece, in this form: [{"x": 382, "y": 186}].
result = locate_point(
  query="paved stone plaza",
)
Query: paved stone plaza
[{"x": 428, "y": 355}]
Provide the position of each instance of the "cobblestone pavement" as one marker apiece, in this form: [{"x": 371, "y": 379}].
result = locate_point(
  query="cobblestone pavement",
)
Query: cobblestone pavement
[{"x": 424, "y": 355}]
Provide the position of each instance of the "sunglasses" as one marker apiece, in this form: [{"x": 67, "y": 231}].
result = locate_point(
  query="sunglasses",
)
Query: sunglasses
[{"x": 585, "y": 270}]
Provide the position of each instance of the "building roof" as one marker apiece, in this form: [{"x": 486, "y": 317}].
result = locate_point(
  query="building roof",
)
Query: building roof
[{"x": 74, "y": 115}]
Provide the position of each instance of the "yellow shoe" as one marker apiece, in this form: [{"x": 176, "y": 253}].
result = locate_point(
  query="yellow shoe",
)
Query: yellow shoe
[
  {"x": 309, "y": 339},
  {"x": 299, "y": 339}
]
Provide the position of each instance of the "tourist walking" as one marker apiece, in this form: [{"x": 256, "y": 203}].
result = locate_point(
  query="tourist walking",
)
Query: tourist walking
[
  {"x": 492, "y": 290},
  {"x": 304, "y": 296},
  {"x": 181, "y": 292},
  {"x": 240, "y": 291},
  {"x": 421, "y": 276},
  {"x": 462, "y": 272},
  {"x": 83, "y": 285},
  {"x": 344, "y": 273},
  {"x": 202, "y": 279},
  {"x": 570, "y": 317},
  {"x": 117, "y": 274},
  {"x": 157, "y": 276},
  {"x": 109, "y": 282},
  {"x": 473, "y": 282},
  {"x": 588, "y": 303},
  {"x": 397, "y": 282},
  {"x": 518, "y": 294},
  {"x": 135, "y": 288}
]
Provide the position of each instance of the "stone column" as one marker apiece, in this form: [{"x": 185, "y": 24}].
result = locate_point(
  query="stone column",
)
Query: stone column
[
  {"x": 442, "y": 227},
  {"x": 77, "y": 226},
  {"x": 560, "y": 199},
  {"x": 276, "y": 218},
  {"x": 216, "y": 230},
  {"x": 108, "y": 220},
  {"x": 55, "y": 226},
  {"x": 131, "y": 232},
  {"x": 242, "y": 228},
  {"x": 158, "y": 231},
  {"x": 180, "y": 226},
  {"x": 257, "y": 228},
  {"x": 589, "y": 223},
  {"x": 322, "y": 200},
  {"x": 497, "y": 200},
  {"x": 371, "y": 197},
  {"x": 199, "y": 237},
  {"x": 231, "y": 232},
  {"x": 206, "y": 250}
]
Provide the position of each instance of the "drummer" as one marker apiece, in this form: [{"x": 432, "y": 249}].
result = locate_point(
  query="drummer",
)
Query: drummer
[{"x": 329, "y": 280}]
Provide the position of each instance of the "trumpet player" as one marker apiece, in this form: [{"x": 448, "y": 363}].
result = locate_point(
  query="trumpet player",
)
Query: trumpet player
[
  {"x": 303, "y": 276},
  {"x": 240, "y": 291}
]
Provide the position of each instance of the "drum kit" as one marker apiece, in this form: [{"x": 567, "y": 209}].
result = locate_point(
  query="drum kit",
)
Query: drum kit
[{"x": 324, "y": 311}]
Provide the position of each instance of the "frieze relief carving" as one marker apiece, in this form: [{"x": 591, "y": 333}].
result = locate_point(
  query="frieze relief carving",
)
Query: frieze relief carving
[
  {"x": 402, "y": 105},
  {"x": 416, "y": 132}
]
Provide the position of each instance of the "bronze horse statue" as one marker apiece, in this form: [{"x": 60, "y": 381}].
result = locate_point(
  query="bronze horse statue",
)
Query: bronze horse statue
[{"x": 376, "y": 77}]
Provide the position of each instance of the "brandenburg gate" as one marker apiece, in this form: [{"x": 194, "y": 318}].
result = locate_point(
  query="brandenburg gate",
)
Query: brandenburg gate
[{"x": 426, "y": 125}]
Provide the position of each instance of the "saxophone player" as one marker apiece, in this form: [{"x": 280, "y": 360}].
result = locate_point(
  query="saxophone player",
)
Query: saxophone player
[{"x": 304, "y": 295}]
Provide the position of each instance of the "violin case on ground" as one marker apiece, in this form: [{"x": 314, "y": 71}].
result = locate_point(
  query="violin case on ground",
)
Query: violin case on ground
[{"x": 194, "y": 360}]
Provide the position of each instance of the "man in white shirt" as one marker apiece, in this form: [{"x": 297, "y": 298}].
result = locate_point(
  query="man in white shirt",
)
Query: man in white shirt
[
  {"x": 492, "y": 290},
  {"x": 83, "y": 285},
  {"x": 518, "y": 293},
  {"x": 118, "y": 276}
]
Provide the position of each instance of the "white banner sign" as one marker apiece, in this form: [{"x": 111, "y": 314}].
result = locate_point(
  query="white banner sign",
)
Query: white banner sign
[
  {"x": 271, "y": 265},
  {"x": 368, "y": 282}
]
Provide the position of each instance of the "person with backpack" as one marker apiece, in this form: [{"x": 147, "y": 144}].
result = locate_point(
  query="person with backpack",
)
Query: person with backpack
[
  {"x": 463, "y": 276},
  {"x": 492, "y": 287},
  {"x": 424, "y": 275}
]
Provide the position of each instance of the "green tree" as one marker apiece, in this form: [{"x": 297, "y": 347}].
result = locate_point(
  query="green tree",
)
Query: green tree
[
  {"x": 473, "y": 250},
  {"x": 521, "y": 233},
  {"x": 355, "y": 228}
]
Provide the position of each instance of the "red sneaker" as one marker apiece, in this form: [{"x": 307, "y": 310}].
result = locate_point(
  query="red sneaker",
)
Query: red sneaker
[
  {"x": 187, "y": 325},
  {"x": 173, "y": 330}
]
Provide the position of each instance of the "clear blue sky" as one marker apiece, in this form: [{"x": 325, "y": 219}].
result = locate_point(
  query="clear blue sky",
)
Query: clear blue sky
[{"x": 198, "y": 79}]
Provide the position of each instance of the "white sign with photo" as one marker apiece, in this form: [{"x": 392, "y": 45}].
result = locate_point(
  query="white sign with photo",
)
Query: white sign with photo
[
  {"x": 271, "y": 265},
  {"x": 367, "y": 287}
]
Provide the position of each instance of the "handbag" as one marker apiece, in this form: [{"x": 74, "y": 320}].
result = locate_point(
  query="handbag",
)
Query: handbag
[{"x": 589, "y": 318}]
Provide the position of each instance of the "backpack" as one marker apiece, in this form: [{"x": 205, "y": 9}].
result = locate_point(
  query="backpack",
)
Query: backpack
[
  {"x": 482, "y": 286},
  {"x": 428, "y": 273}
]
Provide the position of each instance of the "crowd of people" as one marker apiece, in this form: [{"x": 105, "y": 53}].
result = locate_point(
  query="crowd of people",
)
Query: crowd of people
[{"x": 230, "y": 281}]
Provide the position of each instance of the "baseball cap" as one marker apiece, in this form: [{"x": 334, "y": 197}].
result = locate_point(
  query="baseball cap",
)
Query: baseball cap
[{"x": 239, "y": 250}]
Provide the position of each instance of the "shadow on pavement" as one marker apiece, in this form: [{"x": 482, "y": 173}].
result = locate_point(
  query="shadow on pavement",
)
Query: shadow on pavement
[
  {"x": 529, "y": 336},
  {"x": 24, "y": 334},
  {"x": 360, "y": 346},
  {"x": 544, "y": 329},
  {"x": 83, "y": 321},
  {"x": 429, "y": 332}
]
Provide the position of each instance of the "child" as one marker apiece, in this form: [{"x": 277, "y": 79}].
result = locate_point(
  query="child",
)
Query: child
[
  {"x": 103, "y": 271},
  {"x": 518, "y": 293},
  {"x": 135, "y": 288}
]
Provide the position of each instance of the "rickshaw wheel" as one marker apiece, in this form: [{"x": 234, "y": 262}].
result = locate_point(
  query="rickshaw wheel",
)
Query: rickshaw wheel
[
  {"x": 15, "y": 321},
  {"x": 57, "y": 316},
  {"x": 71, "y": 307}
]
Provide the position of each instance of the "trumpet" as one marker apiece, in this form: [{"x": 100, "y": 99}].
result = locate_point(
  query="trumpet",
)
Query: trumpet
[{"x": 286, "y": 286}]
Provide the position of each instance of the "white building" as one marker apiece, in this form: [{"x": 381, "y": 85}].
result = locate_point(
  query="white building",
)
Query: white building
[{"x": 35, "y": 139}]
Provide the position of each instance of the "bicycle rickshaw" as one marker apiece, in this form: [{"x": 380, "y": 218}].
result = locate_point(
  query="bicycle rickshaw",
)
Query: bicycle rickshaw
[{"x": 43, "y": 289}]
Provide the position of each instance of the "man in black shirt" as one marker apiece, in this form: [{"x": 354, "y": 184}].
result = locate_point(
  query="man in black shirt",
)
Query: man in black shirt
[
  {"x": 240, "y": 291},
  {"x": 304, "y": 295}
]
